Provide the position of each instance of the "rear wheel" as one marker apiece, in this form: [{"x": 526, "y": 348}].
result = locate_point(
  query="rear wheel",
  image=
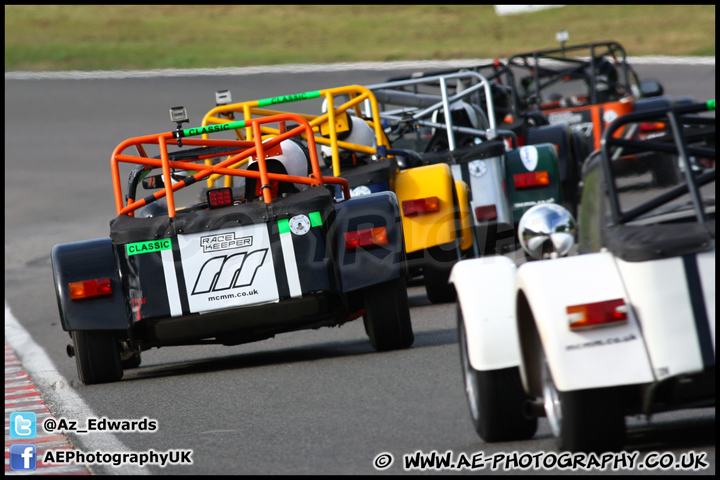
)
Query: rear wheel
[
  {"x": 436, "y": 273},
  {"x": 97, "y": 356},
  {"x": 387, "y": 315},
  {"x": 590, "y": 420},
  {"x": 495, "y": 397}
]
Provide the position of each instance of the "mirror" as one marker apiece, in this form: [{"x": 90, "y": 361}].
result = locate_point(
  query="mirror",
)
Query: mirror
[
  {"x": 651, "y": 88},
  {"x": 547, "y": 230},
  {"x": 152, "y": 182}
]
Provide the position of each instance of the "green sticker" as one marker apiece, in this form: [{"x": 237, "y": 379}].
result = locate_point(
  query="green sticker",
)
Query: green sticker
[
  {"x": 315, "y": 219},
  {"x": 711, "y": 105},
  {"x": 288, "y": 98},
  {"x": 283, "y": 226},
  {"x": 191, "y": 132},
  {"x": 147, "y": 247}
]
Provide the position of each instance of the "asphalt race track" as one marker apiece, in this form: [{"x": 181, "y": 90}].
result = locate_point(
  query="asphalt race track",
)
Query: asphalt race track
[{"x": 311, "y": 402}]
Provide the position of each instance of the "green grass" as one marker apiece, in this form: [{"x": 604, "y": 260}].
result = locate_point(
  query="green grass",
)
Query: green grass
[{"x": 98, "y": 37}]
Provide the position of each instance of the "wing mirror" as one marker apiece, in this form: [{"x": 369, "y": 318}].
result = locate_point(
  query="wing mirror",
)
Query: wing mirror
[
  {"x": 651, "y": 88},
  {"x": 152, "y": 182},
  {"x": 547, "y": 230}
]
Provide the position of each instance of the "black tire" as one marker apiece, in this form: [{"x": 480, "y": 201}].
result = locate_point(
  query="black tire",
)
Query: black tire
[
  {"x": 591, "y": 420},
  {"x": 436, "y": 273},
  {"x": 132, "y": 362},
  {"x": 97, "y": 356},
  {"x": 387, "y": 316},
  {"x": 495, "y": 397}
]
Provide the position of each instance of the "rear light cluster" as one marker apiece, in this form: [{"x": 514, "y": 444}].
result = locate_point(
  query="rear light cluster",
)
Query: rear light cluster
[
  {"x": 599, "y": 314},
  {"x": 487, "y": 212},
  {"x": 90, "y": 288},
  {"x": 651, "y": 126},
  {"x": 420, "y": 206},
  {"x": 531, "y": 179},
  {"x": 366, "y": 238},
  {"x": 219, "y": 197}
]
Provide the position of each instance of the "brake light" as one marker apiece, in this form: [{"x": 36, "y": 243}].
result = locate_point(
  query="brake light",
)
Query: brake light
[
  {"x": 219, "y": 197},
  {"x": 366, "y": 238},
  {"x": 487, "y": 212},
  {"x": 90, "y": 288},
  {"x": 599, "y": 314},
  {"x": 651, "y": 126},
  {"x": 420, "y": 205},
  {"x": 531, "y": 179}
]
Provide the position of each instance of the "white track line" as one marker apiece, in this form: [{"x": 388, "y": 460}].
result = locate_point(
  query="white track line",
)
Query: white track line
[
  {"x": 314, "y": 68},
  {"x": 58, "y": 393}
]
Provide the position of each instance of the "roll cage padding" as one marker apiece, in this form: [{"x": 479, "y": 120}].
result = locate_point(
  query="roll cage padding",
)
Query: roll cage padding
[{"x": 639, "y": 243}]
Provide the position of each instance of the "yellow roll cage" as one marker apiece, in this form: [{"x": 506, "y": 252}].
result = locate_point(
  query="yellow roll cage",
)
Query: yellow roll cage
[{"x": 331, "y": 122}]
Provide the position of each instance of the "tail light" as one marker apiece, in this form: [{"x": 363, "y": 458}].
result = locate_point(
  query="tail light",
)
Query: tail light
[
  {"x": 651, "y": 126},
  {"x": 487, "y": 212},
  {"x": 599, "y": 314},
  {"x": 366, "y": 238},
  {"x": 531, "y": 179},
  {"x": 420, "y": 206},
  {"x": 90, "y": 288},
  {"x": 219, "y": 197}
]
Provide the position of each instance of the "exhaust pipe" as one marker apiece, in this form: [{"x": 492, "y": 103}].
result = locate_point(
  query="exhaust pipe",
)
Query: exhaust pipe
[
  {"x": 70, "y": 351},
  {"x": 534, "y": 409}
]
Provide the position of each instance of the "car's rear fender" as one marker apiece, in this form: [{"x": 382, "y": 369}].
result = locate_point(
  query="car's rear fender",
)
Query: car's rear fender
[
  {"x": 591, "y": 358},
  {"x": 674, "y": 300},
  {"x": 524, "y": 161},
  {"x": 485, "y": 178},
  {"x": 83, "y": 261},
  {"x": 362, "y": 267},
  {"x": 431, "y": 229},
  {"x": 559, "y": 135},
  {"x": 485, "y": 297}
]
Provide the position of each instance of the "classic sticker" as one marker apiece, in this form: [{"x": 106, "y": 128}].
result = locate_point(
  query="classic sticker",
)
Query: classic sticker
[{"x": 147, "y": 247}]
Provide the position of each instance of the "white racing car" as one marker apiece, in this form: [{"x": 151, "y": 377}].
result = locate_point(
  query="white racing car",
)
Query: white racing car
[{"x": 627, "y": 326}]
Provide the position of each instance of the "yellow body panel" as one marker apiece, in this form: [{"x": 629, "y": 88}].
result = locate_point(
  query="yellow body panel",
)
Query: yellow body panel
[
  {"x": 430, "y": 229},
  {"x": 462, "y": 190}
]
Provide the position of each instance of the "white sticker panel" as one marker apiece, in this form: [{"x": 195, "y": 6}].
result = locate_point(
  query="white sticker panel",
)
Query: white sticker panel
[
  {"x": 529, "y": 157},
  {"x": 228, "y": 268}
]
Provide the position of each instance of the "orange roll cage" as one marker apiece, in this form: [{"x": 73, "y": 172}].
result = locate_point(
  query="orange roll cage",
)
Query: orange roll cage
[{"x": 255, "y": 147}]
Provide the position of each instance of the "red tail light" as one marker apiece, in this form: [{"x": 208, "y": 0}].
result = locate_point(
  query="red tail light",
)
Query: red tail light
[
  {"x": 651, "y": 126},
  {"x": 420, "y": 206},
  {"x": 487, "y": 212},
  {"x": 220, "y": 197},
  {"x": 531, "y": 179},
  {"x": 90, "y": 288},
  {"x": 366, "y": 238},
  {"x": 600, "y": 314}
]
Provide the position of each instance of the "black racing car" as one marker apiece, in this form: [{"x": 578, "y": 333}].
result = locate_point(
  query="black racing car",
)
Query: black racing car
[{"x": 288, "y": 256}]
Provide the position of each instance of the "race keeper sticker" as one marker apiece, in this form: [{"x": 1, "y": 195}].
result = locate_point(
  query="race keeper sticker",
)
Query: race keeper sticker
[
  {"x": 147, "y": 247},
  {"x": 228, "y": 268}
]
